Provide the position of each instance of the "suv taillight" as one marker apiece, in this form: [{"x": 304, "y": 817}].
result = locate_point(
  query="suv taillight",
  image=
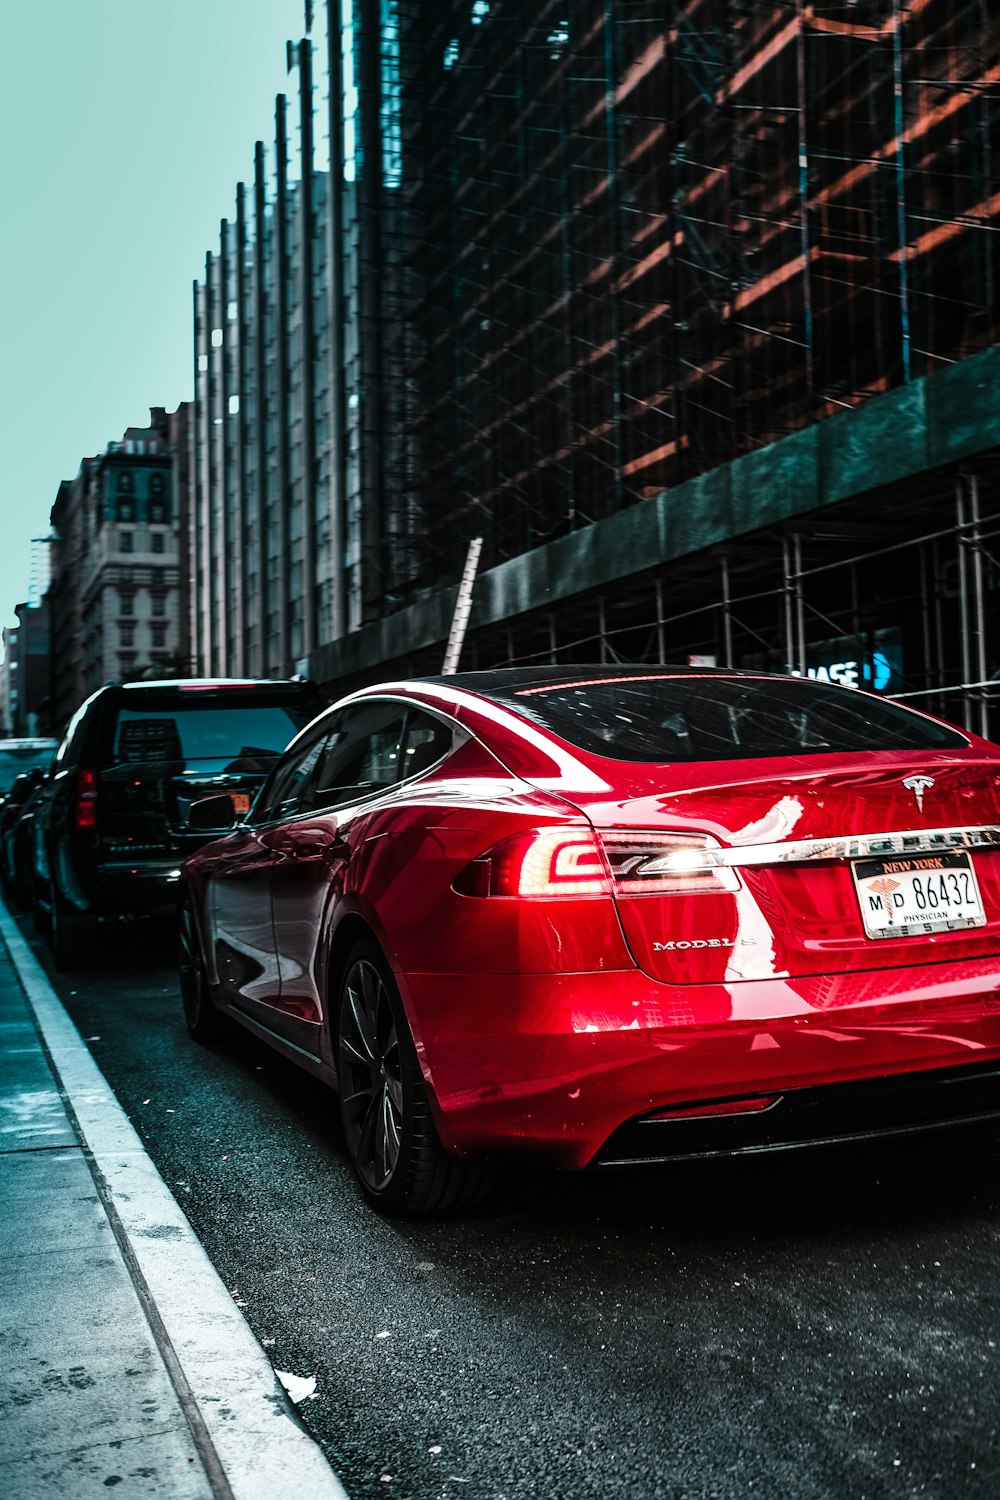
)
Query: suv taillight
[
  {"x": 581, "y": 862},
  {"x": 85, "y": 805}
]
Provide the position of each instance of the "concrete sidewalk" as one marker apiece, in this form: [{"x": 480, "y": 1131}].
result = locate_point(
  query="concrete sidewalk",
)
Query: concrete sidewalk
[{"x": 126, "y": 1367}]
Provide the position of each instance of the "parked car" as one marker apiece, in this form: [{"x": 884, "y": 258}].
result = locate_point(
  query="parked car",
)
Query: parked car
[
  {"x": 19, "y": 757},
  {"x": 23, "y": 762},
  {"x": 16, "y": 836},
  {"x": 111, "y": 826},
  {"x": 610, "y": 915}
]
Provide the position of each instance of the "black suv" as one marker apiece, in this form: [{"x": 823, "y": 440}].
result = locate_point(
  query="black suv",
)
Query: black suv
[{"x": 111, "y": 826}]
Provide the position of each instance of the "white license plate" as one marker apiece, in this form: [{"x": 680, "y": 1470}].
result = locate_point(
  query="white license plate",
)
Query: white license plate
[{"x": 924, "y": 893}]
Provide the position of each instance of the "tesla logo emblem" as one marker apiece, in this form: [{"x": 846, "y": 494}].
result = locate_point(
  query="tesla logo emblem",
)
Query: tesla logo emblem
[{"x": 918, "y": 785}]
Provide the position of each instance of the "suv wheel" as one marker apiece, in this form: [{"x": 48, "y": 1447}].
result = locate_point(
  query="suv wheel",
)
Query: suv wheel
[{"x": 72, "y": 935}]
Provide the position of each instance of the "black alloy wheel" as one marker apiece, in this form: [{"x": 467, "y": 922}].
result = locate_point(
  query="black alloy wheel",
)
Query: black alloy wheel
[
  {"x": 200, "y": 1015},
  {"x": 393, "y": 1145}
]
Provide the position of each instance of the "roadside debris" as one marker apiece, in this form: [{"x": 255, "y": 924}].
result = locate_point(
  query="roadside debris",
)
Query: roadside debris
[{"x": 299, "y": 1387}]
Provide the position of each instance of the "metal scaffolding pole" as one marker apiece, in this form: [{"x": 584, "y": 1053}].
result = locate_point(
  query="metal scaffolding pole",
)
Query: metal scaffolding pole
[
  {"x": 965, "y": 634},
  {"x": 727, "y": 619},
  {"x": 786, "y": 551},
  {"x": 978, "y": 711},
  {"x": 661, "y": 648}
]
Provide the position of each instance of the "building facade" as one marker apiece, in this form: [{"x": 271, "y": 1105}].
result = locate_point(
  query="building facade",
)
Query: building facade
[
  {"x": 686, "y": 309},
  {"x": 9, "y": 681},
  {"x": 119, "y": 556}
]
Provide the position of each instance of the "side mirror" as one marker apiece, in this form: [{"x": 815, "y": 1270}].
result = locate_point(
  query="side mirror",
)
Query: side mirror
[{"x": 212, "y": 815}]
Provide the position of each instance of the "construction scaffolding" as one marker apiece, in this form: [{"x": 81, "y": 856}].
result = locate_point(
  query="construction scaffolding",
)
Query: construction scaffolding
[
  {"x": 532, "y": 273},
  {"x": 645, "y": 238},
  {"x": 901, "y": 597}
]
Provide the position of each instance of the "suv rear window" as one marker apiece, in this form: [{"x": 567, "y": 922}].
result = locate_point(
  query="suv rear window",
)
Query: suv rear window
[
  {"x": 697, "y": 718},
  {"x": 228, "y": 730},
  {"x": 26, "y": 755}
]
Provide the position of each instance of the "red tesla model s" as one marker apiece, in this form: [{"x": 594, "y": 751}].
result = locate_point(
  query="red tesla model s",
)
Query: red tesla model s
[{"x": 610, "y": 915}]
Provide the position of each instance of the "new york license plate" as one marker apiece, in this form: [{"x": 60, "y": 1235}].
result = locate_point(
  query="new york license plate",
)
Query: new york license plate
[{"x": 921, "y": 894}]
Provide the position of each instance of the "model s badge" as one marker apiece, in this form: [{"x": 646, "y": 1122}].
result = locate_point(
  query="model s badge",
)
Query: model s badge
[{"x": 918, "y": 785}]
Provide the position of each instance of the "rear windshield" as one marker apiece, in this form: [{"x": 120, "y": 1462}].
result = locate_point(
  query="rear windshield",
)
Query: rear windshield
[
  {"x": 14, "y": 759},
  {"x": 237, "y": 736},
  {"x": 695, "y": 718}
]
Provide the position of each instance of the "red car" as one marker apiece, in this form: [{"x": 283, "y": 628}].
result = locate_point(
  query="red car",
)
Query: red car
[{"x": 610, "y": 915}]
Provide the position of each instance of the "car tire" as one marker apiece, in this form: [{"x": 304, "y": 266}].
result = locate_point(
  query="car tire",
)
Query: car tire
[
  {"x": 393, "y": 1145},
  {"x": 202, "y": 1019},
  {"x": 72, "y": 935}
]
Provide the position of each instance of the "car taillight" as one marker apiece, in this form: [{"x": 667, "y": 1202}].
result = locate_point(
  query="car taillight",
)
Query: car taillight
[
  {"x": 578, "y": 862},
  {"x": 666, "y": 864},
  {"x": 85, "y": 811},
  {"x": 542, "y": 862}
]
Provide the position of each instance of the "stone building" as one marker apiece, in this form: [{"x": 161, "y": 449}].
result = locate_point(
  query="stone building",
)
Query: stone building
[{"x": 119, "y": 554}]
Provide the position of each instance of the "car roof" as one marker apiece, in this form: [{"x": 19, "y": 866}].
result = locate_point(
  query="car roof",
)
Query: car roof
[
  {"x": 206, "y": 683},
  {"x": 509, "y": 679}
]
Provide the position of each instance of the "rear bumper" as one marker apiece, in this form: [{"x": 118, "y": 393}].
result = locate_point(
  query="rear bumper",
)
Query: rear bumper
[
  {"x": 864, "y": 1110},
  {"x": 120, "y": 887},
  {"x": 568, "y": 1065}
]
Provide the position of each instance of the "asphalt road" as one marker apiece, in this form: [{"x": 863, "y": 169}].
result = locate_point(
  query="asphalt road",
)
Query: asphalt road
[{"x": 819, "y": 1325}]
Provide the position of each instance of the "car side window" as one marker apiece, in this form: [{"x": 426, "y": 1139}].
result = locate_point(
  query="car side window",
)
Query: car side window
[
  {"x": 281, "y": 797},
  {"x": 427, "y": 739},
  {"x": 361, "y": 756}
]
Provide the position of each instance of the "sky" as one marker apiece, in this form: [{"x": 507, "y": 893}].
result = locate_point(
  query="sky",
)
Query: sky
[{"x": 125, "y": 127}]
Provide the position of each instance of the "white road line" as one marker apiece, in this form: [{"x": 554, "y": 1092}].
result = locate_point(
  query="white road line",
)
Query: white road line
[{"x": 264, "y": 1452}]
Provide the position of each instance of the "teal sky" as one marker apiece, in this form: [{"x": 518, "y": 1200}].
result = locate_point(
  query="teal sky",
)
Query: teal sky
[{"x": 125, "y": 125}]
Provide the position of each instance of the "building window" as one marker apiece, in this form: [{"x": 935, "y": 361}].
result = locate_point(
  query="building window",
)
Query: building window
[
  {"x": 125, "y": 541},
  {"x": 126, "y": 509},
  {"x": 156, "y": 484},
  {"x": 157, "y": 542},
  {"x": 126, "y": 635},
  {"x": 159, "y": 604},
  {"x": 126, "y": 663},
  {"x": 159, "y": 635},
  {"x": 125, "y": 485},
  {"x": 126, "y": 602}
]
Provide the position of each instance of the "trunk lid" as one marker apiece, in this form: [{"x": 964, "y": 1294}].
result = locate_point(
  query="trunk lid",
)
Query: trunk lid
[
  {"x": 144, "y": 806},
  {"x": 802, "y": 841}
]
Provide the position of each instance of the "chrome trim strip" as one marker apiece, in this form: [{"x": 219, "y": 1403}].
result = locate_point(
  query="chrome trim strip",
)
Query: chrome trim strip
[{"x": 857, "y": 846}]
